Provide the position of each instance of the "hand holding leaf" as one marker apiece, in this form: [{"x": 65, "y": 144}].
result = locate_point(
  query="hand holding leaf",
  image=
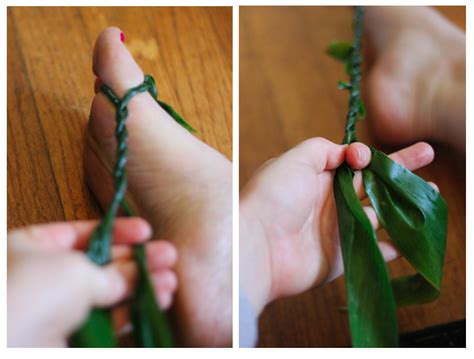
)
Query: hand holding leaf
[{"x": 413, "y": 213}]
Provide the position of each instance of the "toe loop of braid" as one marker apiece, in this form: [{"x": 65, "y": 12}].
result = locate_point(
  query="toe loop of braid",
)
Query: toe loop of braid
[{"x": 99, "y": 248}]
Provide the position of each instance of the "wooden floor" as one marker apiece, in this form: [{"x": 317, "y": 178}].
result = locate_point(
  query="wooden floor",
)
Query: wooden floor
[
  {"x": 50, "y": 86},
  {"x": 288, "y": 93}
]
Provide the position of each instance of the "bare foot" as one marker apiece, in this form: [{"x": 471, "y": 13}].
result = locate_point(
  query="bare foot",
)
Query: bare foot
[
  {"x": 416, "y": 86},
  {"x": 179, "y": 184}
]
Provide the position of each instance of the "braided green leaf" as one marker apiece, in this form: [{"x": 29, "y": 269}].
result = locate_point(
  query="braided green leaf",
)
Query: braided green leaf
[
  {"x": 412, "y": 212},
  {"x": 149, "y": 323}
]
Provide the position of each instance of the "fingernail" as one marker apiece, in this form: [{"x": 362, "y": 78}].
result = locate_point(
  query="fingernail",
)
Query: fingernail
[{"x": 122, "y": 37}]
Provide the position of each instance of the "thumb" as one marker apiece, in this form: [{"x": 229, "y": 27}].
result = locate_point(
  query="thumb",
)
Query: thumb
[
  {"x": 107, "y": 285},
  {"x": 102, "y": 286},
  {"x": 65, "y": 287},
  {"x": 358, "y": 155},
  {"x": 90, "y": 286}
]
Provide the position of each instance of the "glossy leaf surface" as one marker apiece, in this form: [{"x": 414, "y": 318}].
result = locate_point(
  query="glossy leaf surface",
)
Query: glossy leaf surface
[
  {"x": 371, "y": 305},
  {"x": 415, "y": 217}
]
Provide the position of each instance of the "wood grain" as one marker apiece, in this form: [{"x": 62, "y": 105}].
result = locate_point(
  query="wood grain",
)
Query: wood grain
[
  {"x": 288, "y": 93},
  {"x": 50, "y": 86}
]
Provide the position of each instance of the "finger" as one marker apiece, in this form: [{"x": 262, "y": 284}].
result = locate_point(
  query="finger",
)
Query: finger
[
  {"x": 358, "y": 155},
  {"x": 126, "y": 230},
  {"x": 318, "y": 153},
  {"x": 374, "y": 221},
  {"x": 389, "y": 251},
  {"x": 165, "y": 283},
  {"x": 91, "y": 285},
  {"x": 412, "y": 158},
  {"x": 129, "y": 272},
  {"x": 161, "y": 255},
  {"x": 121, "y": 252},
  {"x": 121, "y": 319},
  {"x": 434, "y": 185},
  {"x": 68, "y": 235}
]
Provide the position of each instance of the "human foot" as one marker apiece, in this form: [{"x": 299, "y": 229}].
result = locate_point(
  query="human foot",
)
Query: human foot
[
  {"x": 415, "y": 86},
  {"x": 178, "y": 183}
]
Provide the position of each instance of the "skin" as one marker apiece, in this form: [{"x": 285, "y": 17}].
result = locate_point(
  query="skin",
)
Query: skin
[
  {"x": 415, "y": 88},
  {"x": 46, "y": 262}
]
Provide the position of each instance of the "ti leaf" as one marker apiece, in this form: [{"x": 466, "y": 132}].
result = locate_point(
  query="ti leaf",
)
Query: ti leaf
[
  {"x": 171, "y": 111},
  {"x": 96, "y": 332},
  {"x": 371, "y": 305},
  {"x": 360, "y": 109},
  {"x": 340, "y": 50},
  {"x": 344, "y": 85},
  {"x": 415, "y": 217},
  {"x": 150, "y": 325}
]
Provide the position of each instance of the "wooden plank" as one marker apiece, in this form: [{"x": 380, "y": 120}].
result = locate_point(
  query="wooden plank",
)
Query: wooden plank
[{"x": 32, "y": 195}]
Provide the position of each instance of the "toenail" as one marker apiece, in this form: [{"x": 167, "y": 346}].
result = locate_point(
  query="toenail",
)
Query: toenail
[{"x": 122, "y": 37}]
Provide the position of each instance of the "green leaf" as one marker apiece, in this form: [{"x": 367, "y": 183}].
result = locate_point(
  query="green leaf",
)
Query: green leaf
[
  {"x": 343, "y": 85},
  {"x": 340, "y": 50},
  {"x": 371, "y": 305},
  {"x": 170, "y": 110},
  {"x": 415, "y": 216},
  {"x": 361, "y": 109},
  {"x": 149, "y": 322},
  {"x": 347, "y": 68},
  {"x": 96, "y": 332}
]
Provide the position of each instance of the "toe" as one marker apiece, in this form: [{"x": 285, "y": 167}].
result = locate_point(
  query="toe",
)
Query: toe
[{"x": 114, "y": 64}]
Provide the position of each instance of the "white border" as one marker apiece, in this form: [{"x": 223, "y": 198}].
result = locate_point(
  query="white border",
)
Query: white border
[
  {"x": 232, "y": 353},
  {"x": 235, "y": 176}
]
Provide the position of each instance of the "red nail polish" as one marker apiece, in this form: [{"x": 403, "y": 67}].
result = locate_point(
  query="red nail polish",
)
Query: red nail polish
[{"x": 122, "y": 37}]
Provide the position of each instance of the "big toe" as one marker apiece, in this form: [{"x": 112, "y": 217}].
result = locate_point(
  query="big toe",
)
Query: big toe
[{"x": 113, "y": 64}]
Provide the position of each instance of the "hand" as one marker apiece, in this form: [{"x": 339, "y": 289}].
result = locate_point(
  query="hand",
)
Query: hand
[
  {"x": 52, "y": 285},
  {"x": 289, "y": 240}
]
